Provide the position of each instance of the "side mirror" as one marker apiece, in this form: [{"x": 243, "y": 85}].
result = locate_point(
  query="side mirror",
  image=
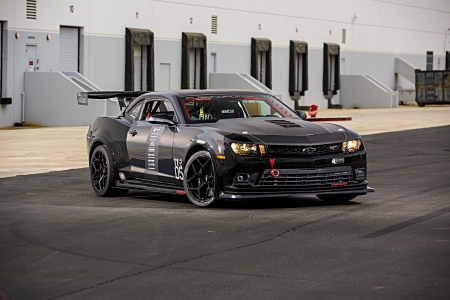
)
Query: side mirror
[
  {"x": 161, "y": 121},
  {"x": 301, "y": 114}
]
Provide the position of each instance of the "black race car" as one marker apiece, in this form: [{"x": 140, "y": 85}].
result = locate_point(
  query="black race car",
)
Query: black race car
[{"x": 221, "y": 144}]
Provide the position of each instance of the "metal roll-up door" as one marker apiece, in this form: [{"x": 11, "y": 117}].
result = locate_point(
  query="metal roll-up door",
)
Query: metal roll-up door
[
  {"x": 298, "y": 69},
  {"x": 261, "y": 61},
  {"x": 68, "y": 49},
  {"x": 139, "y": 60},
  {"x": 1, "y": 57},
  {"x": 137, "y": 57},
  {"x": 194, "y": 68},
  {"x": 331, "y": 70},
  {"x": 447, "y": 60}
]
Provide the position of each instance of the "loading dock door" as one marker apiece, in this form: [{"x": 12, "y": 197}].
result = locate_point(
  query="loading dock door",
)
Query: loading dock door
[
  {"x": 261, "y": 61},
  {"x": 194, "y": 68},
  {"x": 139, "y": 60},
  {"x": 261, "y": 66},
  {"x": 140, "y": 67},
  {"x": 1, "y": 58},
  {"x": 298, "y": 69},
  {"x": 193, "y": 61},
  {"x": 69, "y": 49},
  {"x": 137, "y": 56},
  {"x": 447, "y": 60},
  {"x": 331, "y": 69}
]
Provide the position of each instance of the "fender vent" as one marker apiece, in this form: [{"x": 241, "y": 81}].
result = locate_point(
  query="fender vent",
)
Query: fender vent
[{"x": 284, "y": 123}]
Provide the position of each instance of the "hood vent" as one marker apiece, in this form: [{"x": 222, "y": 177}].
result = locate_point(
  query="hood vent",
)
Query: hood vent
[{"x": 285, "y": 123}]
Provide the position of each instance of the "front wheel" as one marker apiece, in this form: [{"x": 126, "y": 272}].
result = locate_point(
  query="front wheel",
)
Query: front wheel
[
  {"x": 337, "y": 198},
  {"x": 199, "y": 179},
  {"x": 102, "y": 173}
]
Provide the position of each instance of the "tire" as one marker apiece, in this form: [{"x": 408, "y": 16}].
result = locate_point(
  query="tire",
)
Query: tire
[
  {"x": 337, "y": 198},
  {"x": 102, "y": 173},
  {"x": 200, "y": 179}
]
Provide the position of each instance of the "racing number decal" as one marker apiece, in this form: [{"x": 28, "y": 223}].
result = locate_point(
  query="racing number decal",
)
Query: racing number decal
[{"x": 178, "y": 168}]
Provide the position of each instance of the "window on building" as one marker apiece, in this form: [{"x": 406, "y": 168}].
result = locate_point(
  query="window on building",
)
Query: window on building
[
  {"x": 193, "y": 62},
  {"x": 298, "y": 69},
  {"x": 139, "y": 60},
  {"x": 213, "y": 63},
  {"x": 429, "y": 60},
  {"x": 261, "y": 61}
]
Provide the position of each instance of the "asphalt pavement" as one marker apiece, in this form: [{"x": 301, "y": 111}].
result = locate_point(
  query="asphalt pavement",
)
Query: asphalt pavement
[{"x": 60, "y": 241}]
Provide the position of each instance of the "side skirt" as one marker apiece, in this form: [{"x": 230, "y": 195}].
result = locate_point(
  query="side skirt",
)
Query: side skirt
[{"x": 137, "y": 185}]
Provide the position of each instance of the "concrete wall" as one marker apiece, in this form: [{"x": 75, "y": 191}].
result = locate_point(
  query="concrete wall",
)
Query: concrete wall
[
  {"x": 381, "y": 31},
  {"x": 359, "y": 91},
  {"x": 47, "y": 102}
]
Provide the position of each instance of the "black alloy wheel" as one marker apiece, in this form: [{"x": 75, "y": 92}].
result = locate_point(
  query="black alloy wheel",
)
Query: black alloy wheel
[
  {"x": 337, "y": 198},
  {"x": 102, "y": 174},
  {"x": 199, "y": 179}
]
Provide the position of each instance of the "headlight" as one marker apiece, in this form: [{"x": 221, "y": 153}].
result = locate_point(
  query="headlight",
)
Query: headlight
[
  {"x": 351, "y": 146},
  {"x": 248, "y": 149}
]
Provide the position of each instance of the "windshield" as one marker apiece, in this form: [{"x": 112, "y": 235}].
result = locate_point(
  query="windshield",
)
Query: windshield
[{"x": 213, "y": 108}]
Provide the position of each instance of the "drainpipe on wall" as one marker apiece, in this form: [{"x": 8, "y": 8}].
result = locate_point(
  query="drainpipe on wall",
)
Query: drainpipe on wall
[
  {"x": 22, "y": 111},
  {"x": 23, "y": 107}
]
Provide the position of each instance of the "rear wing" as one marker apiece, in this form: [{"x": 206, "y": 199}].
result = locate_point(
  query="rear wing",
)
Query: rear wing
[{"x": 124, "y": 98}]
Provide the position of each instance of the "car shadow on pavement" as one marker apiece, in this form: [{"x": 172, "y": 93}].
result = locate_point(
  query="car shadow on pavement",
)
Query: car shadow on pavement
[{"x": 178, "y": 201}]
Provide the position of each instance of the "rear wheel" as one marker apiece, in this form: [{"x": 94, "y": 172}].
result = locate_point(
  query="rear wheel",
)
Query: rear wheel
[
  {"x": 199, "y": 179},
  {"x": 102, "y": 173},
  {"x": 337, "y": 198}
]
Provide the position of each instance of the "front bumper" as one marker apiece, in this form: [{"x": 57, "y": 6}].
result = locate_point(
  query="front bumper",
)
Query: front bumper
[{"x": 319, "y": 175}]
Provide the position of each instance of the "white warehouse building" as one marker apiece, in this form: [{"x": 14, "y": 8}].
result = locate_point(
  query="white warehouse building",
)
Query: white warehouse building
[{"x": 332, "y": 53}]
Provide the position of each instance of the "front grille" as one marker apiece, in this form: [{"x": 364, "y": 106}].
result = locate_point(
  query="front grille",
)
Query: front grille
[
  {"x": 305, "y": 150},
  {"x": 311, "y": 178}
]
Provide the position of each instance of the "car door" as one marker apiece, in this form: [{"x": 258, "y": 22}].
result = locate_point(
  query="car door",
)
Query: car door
[
  {"x": 166, "y": 165},
  {"x": 137, "y": 140},
  {"x": 149, "y": 144}
]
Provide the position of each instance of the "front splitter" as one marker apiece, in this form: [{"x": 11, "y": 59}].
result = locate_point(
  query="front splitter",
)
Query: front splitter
[{"x": 298, "y": 194}]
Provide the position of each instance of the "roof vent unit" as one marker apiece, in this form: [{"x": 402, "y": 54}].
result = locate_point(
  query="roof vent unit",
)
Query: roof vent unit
[
  {"x": 31, "y": 9},
  {"x": 214, "y": 24}
]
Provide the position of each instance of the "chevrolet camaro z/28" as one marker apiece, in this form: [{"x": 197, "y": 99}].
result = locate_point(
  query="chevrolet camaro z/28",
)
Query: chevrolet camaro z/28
[{"x": 221, "y": 144}]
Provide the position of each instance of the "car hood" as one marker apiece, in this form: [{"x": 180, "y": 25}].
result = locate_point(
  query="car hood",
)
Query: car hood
[{"x": 283, "y": 131}]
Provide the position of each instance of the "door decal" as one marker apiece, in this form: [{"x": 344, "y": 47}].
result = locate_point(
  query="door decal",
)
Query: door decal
[{"x": 152, "y": 151}]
